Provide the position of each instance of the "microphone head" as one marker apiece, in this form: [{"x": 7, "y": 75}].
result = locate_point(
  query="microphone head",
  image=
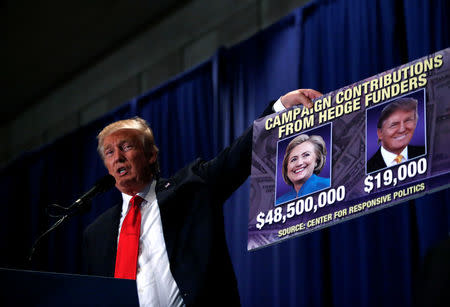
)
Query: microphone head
[{"x": 105, "y": 183}]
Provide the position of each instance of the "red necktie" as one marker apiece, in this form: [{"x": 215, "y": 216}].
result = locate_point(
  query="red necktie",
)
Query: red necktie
[{"x": 127, "y": 250}]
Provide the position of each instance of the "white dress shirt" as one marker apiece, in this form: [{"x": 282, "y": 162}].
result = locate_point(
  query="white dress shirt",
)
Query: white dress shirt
[
  {"x": 278, "y": 106},
  {"x": 389, "y": 157},
  {"x": 155, "y": 283}
]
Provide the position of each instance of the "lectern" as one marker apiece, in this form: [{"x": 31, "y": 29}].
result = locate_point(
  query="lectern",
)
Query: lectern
[{"x": 30, "y": 288}]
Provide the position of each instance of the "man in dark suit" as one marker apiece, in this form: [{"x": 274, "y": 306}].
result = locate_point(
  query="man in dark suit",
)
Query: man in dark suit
[
  {"x": 182, "y": 256},
  {"x": 395, "y": 129}
]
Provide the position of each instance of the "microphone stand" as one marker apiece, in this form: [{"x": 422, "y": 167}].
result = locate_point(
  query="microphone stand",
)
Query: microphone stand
[
  {"x": 69, "y": 212},
  {"x": 56, "y": 224},
  {"x": 102, "y": 185}
]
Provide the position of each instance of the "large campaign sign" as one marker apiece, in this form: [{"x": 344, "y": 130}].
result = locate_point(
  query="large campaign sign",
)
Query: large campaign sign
[{"x": 361, "y": 148}]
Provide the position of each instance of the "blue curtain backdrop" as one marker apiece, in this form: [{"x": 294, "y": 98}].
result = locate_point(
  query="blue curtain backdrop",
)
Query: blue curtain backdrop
[{"x": 370, "y": 261}]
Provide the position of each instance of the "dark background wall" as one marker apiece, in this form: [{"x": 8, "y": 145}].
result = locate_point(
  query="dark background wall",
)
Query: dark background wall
[{"x": 65, "y": 64}]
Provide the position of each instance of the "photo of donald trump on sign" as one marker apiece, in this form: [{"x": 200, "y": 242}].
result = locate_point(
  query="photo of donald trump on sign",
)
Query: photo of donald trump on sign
[{"x": 399, "y": 132}]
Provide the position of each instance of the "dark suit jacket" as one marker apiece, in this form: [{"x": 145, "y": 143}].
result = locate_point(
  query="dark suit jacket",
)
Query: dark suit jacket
[
  {"x": 376, "y": 162},
  {"x": 191, "y": 211}
]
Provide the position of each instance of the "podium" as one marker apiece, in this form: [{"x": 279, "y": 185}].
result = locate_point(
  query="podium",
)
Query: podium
[{"x": 31, "y": 288}]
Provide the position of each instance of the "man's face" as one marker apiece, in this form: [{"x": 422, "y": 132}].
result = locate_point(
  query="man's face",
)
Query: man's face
[
  {"x": 125, "y": 159},
  {"x": 397, "y": 130}
]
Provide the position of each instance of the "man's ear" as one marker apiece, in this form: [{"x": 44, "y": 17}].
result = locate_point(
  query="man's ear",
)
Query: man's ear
[
  {"x": 152, "y": 158},
  {"x": 379, "y": 136}
]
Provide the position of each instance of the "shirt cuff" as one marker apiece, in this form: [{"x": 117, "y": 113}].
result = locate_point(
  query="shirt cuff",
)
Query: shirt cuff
[{"x": 278, "y": 106}]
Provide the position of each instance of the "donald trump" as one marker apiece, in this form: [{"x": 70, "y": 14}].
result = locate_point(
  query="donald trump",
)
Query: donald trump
[{"x": 395, "y": 129}]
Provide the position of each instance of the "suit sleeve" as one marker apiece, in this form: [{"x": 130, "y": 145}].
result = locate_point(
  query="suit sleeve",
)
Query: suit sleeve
[{"x": 231, "y": 167}]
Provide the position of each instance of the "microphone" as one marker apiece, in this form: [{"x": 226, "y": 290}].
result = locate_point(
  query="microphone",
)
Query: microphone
[{"x": 102, "y": 185}]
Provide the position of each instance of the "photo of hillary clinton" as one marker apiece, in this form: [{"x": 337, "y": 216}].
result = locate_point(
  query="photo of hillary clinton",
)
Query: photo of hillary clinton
[{"x": 303, "y": 161}]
